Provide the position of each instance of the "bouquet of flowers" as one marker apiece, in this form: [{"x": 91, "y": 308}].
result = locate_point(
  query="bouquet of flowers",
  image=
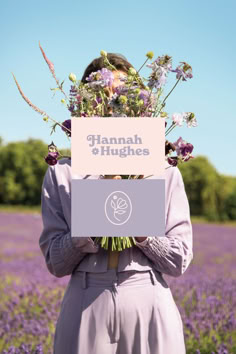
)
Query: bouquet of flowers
[{"x": 135, "y": 97}]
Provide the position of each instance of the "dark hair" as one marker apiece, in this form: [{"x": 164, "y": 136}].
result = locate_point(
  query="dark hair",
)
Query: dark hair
[{"x": 117, "y": 60}]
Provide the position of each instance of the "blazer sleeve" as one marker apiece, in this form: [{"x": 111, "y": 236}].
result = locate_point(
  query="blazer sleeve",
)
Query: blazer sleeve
[
  {"x": 62, "y": 252},
  {"x": 172, "y": 253}
]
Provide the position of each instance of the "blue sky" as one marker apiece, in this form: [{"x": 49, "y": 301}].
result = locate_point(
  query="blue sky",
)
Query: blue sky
[{"x": 73, "y": 33}]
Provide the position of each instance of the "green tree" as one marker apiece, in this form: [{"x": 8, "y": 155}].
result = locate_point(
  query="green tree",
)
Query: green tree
[
  {"x": 230, "y": 205},
  {"x": 22, "y": 169},
  {"x": 204, "y": 187}
]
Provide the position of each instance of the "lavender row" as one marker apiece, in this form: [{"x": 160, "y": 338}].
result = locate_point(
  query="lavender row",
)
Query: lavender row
[{"x": 31, "y": 297}]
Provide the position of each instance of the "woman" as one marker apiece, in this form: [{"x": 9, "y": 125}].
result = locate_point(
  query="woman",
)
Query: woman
[{"x": 115, "y": 302}]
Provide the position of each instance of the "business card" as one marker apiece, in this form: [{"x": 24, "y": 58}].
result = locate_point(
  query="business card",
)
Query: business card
[
  {"x": 125, "y": 207},
  {"x": 118, "y": 145}
]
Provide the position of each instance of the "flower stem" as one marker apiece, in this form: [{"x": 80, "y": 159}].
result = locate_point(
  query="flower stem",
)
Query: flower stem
[
  {"x": 170, "y": 128},
  {"x": 163, "y": 103},
  {"x": 142, "y": 65}
]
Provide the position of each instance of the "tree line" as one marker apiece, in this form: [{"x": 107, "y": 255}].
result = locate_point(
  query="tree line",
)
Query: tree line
[{"x": 22, "y": 169}]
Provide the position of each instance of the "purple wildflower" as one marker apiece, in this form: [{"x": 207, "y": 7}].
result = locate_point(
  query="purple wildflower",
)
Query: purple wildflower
[
  {"x": 160, "y": 68},
  {"x": 172, "y": 161},
  {"x": 183, "y": 148},
  {"x": 164, "y": 61},
  {"x": 73, "y": 91},
  {"x": 51, "y": 158},
  {"x": 157, "y": 78},
  {"x": 183, "y": 71},
  {"x": 121, "y": 90},
  {"x": 67, "y": 124},
  {"x": 145, "y": 96},
  {"x": 101, "y": 78},
  {"x": 71, "y": 108},
  {"x": 97, "y": 101}
]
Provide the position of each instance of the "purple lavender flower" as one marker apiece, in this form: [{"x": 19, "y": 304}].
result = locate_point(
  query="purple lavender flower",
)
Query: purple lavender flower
[
  {"x": 71, "y": 108},
  {"x": 67, "y": 124},
  {"x": 101, "y": 78},
  {"x": 73, "y": 91},
  {"x": 211, "y": 274},
  {"x": 51, "y": 158}
]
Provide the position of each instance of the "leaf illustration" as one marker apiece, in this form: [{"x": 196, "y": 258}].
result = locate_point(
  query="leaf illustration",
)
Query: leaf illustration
[
  {"x": 113, "y": 205},
  {"x": 120, "y": 212}
]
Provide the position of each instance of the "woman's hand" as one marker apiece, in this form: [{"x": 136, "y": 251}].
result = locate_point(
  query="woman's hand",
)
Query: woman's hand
[{"x": 112, "y": 177}]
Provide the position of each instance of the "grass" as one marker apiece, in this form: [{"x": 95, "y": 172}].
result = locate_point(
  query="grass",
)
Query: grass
[
  {"x": 203, "y": 220},
  {"x": 20, "y": 208}
]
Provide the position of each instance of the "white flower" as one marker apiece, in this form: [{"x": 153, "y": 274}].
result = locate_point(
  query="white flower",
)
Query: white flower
[
  {"x": 178, "y": 118},
  {"x": 191, "y": 120}
]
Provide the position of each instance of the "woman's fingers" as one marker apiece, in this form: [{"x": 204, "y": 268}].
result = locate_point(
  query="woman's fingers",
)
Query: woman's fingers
[{"x": 112, "y": 177}]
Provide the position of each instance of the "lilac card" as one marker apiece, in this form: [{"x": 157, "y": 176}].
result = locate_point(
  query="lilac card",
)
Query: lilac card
[{"x": 109, "y": 207}]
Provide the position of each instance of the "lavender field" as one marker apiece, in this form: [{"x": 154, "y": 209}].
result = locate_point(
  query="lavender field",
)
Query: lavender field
[{"x": 30, "y": 296}]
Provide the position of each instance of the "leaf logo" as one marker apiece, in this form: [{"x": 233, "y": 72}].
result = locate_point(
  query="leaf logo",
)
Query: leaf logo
[{"x": 118, "y": 207}]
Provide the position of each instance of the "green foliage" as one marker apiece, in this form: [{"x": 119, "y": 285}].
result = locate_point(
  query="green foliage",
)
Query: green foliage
[
  {"x": 22, "y": 168},
  {"x": 65, "y": 152},
  {"x": 207, "y": 190},
  {"x": 230, "y": 205}
]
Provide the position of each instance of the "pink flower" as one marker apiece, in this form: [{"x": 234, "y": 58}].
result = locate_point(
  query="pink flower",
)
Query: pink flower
[{"x": 178, "y": 118}]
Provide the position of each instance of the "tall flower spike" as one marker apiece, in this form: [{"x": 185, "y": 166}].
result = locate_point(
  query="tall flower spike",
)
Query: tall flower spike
[
  {"x": 52, "y": 70},
  {"x": 27, "y": 100},
  {"x": 35, "y": 107},
  {"x": 49, "y": 63}
]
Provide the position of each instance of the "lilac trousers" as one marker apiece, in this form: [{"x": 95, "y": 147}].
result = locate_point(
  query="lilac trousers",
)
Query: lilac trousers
[{"x": 128, "y": 312}]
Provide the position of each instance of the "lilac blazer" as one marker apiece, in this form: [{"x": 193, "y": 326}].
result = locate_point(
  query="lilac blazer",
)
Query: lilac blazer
[{"x": 169, "y": 254}]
